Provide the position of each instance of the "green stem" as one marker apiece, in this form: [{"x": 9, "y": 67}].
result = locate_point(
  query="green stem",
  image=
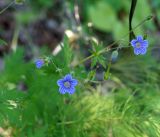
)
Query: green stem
[
  {"x": 10, "y": 4},
  {"x": 100, "y": 52},
  {"x": 15, "y": 39},
  {"x": 109, "y": 47},
  {"x": 75, "y": 122},
  {"x": 56, "y": 67},
  {"x": 85, "y": 59},
  {"x": 106, "y": 76}
]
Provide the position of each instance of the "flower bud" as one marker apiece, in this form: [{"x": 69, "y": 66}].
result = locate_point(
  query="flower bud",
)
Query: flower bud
[{"x": 114, "y": 56}]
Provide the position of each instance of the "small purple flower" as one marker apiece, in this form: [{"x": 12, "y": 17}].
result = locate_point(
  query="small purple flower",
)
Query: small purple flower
[
  {"x": 67, "y": 84},
  {"x": 139, "y": 45},
  {"x": 39, "y": 63}
]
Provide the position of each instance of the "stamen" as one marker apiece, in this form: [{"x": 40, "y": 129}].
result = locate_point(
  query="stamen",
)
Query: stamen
[
  {"x": 67, "y": 84},
  {"x": 138, "y": 45}
]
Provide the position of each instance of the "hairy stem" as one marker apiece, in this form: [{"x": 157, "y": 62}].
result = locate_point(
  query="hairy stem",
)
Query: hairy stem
[
  {"x": 10, "y": 4},
  {"x": 109, "y": 47}
]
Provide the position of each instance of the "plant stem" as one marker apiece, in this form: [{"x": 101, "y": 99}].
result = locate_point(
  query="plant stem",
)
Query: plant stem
[
  {"x": 87, "y": 58},
  {"x": 106, "y": 76},
  {"x": 109, "y": 47},
  {"x": 10, "y": 4}
]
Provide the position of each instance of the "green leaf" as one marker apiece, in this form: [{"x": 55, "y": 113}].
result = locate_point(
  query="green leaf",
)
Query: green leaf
[
  {"x": 103, "y": 16},
  {"x": 25, "y": 17},
  {"x": 98, "y": 58},
  {"x": 102, "y": 61},
  {"x": 91, "y": 75},
  {"x": 2, "y": 43},
  {"x": 120, "y": 29},
  {"x": 94, "y": 62},
  {"x": 107, "y": 73},
  {"x": 67, "y": 52},
  {"x": 20, "y": 2}
]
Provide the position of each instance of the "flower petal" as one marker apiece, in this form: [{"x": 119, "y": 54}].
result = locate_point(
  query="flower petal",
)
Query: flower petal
[
  {"x": 60, "y": 82},
  {"x": 139, "y": 38},
  {"x": 71, "y": 90},
  {"x": 68, "y": 77},
  {"x": 133, "y": 42},
  {"x": 74, "y": 82},
  {"x": 137, "y": 51},
  {"x": 62, "y": 90},
  {"x": 145, "y": 43},
  {"x": 39, "y": 63},
  {"x": 143, "y": 51}
]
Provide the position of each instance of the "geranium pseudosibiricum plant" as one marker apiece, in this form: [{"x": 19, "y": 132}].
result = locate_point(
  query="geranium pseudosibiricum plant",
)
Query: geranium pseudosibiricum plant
[{"x": 67, "y": 83}]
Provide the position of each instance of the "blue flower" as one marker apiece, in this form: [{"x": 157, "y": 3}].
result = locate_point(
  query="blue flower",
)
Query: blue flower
[
  {"x": 39, "y": 63},
  {"x": 67, "y": 84},
  {"x": 139, "y": 45}
]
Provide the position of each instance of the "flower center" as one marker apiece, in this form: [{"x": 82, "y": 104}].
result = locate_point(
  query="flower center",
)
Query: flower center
[
  {"x": 67, "y": 84},
  {"x": 138, "y": 45}
]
